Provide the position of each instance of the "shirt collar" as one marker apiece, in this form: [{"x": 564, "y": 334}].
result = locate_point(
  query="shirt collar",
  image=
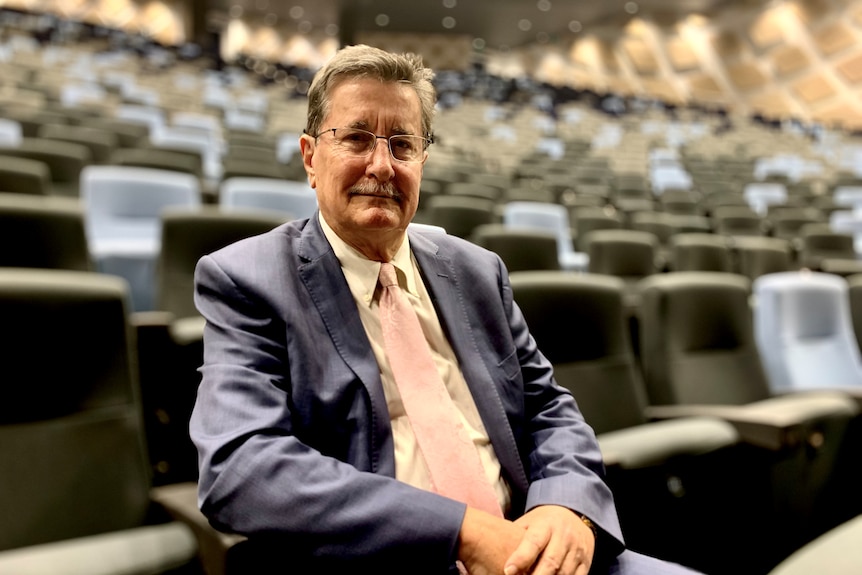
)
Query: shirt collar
[{"x": 365, "y": 272}]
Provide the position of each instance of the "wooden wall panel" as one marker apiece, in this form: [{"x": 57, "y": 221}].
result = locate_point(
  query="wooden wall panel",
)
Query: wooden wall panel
[
  {"x": 681, "y": 56},
  {"x": 851, "y": 69},
  {"x": 814, "y": 89},
  {"x": 746, "y": 76},
  {"x": 833, "y": 38},
  {"x": 787, "y": 60},
  {"x": 766, "y": 32}
]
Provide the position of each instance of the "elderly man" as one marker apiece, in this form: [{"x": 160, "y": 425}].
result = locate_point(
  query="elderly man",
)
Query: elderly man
[{"x": 371, "y": 396}]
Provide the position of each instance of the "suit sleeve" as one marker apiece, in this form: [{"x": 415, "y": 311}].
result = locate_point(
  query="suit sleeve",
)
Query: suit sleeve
[{"x": 259, "y": 479}]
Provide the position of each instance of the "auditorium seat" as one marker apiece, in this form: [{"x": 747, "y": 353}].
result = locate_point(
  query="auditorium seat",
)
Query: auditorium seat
[
  {"x": 755, "y": 256},
  {"x": 699, "y": 252},
  {"x": 699, "y": 357},
  {"x": 521, "y": 249},
  {"x": 460, "y": 215},
  {"x": 804, "y": 331},
  {"x": 292, "y": 199},
  {"x": 43, "y": 232},
  {"x": 122, "y": 208},
  {"x": 101, "y": 143},
  {"x": 75, "y": 483},
  {"x": 676, "y": 483},
  {"x": 818, "y": 242},
  {"x": 65, "y": 160},
  {"x": 836, "y": 552},
  {"x": 170, "y": 338},
  {"x": 24, "y": 176},
  {"x": 552, "y": 218}
]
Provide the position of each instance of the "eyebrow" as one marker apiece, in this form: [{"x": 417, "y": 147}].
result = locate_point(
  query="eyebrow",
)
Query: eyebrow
[{"x": 396, "y": 131}]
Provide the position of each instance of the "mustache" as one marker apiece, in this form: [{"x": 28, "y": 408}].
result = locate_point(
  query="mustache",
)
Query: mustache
[{"x": 384, "y": 189}]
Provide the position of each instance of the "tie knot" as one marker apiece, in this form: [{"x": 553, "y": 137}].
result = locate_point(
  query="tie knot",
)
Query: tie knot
[{"x": 387, "y": 275}]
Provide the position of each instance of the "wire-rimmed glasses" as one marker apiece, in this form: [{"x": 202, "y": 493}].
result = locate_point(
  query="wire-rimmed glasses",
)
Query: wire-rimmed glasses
[{"x": 361, "y": 143}]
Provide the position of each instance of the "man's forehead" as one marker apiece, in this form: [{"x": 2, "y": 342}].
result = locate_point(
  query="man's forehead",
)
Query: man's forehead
[{"x": 401, "y": 110}]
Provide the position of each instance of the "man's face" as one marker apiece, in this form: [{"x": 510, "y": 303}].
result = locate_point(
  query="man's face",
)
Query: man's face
[{"x": 373, "y": 196}]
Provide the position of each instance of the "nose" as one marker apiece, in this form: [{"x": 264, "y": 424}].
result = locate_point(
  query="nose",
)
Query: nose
[{"x": 380, "y": 162}]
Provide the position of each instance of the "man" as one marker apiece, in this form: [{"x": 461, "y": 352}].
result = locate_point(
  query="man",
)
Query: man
[{"x": 304, "y": 440}]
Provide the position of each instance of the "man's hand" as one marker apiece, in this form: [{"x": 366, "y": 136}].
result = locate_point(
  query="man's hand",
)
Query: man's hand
[
  {"x": 486, "y": 542},
  {"x": 556, "y": 541}
]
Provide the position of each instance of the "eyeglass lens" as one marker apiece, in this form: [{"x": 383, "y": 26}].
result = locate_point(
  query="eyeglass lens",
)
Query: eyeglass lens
[{"x": 360, "y": 143}]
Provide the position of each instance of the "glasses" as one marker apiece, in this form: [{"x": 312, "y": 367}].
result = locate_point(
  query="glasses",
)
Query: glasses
[{"x": 361, "y": 143}]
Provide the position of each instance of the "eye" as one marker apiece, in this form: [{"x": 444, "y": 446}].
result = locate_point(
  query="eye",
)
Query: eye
[{"x": 356, "y": 137}]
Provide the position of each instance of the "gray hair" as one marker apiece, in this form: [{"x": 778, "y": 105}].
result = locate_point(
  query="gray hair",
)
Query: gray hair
[{"x": 363, "y": 61}]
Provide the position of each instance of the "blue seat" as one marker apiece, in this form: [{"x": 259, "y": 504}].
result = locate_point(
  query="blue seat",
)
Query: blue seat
[
  {"x": 804, "y": 331},
  {"x": 552, "y": 218},
  {"x": 294, "y": 198},
  {"x": 122, "y": 209}
]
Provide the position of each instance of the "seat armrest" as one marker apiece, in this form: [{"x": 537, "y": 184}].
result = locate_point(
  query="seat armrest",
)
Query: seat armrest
[
  {"x": 655, "y": 443},
  {"x": 774, "y": 423},
  {"x": 180, "y": 502},
  {"x": 152, "y": 549}
]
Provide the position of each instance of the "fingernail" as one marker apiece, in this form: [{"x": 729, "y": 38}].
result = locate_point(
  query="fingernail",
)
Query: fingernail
[{"x": 510, "y": 570}]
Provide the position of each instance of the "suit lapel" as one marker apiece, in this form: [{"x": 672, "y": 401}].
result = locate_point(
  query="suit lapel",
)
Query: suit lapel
[{"x": 321, "y": 273}]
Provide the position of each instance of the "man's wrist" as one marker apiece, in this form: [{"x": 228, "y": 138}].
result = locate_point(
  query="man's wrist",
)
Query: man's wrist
[{"x": 589, "y": 523}]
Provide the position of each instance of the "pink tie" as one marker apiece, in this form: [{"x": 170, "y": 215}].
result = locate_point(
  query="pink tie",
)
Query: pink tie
[{"x": 452, "y": 459}]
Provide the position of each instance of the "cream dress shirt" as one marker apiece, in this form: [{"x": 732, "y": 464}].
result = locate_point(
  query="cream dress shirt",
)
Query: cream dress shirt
[{"x": 361, "y": 275}]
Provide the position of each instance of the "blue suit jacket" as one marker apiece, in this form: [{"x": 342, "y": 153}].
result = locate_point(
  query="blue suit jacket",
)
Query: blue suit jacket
[{"x": 291, "y": 422}]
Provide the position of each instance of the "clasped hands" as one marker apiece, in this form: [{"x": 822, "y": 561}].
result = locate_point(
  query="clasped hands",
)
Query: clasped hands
[{"x": 548, "y": 539}]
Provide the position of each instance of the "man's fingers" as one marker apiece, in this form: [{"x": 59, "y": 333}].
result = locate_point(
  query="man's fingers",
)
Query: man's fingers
[{"x": 527, "y": 553}]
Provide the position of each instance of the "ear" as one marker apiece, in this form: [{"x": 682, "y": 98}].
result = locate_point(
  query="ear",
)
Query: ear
[{"x": 307, "y": 148}]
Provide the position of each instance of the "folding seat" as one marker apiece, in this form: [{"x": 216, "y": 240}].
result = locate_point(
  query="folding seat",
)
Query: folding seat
[
  {"x": 761, "y": 195},
  {"x": 10, "y": 132},
  {"x": 755, "y": 256},
  {"x": 75, "y": 481},
  {"x": 714, "y": 200},
  {"x": 155, "y": 158},
  {"x": 209, "y": 146},
  {"x": 43, "y": 232},
  {"x": 475, "y": 189},
  {"x": 101, "y": 143},
  {"x": 261, "y": 167},
  {"x": 522, "y": 193},
  {"x": 151, "y": 116},
  {"x": 848, "y": 196},
  {"x": 521, "y": 249},
  {"x": 587, "y": 219},
  {"x": 627, "y": 254},
  {"x": 552, "y": 218},
  {"x": 24, "y": 176},
  {"x": 690, "y": 223},
  {"x": 699, "y": 252},
  {"x": 699, "y": 356},
  {"x": 65, "y": 160},
  {"x": 819, "y": 242},
  {"x": 460, "y": 215},
  {"x": 129, "y": 134},
  {"x": 292, "y": 199},
  {"x": 737, "y": 221},
  {"x": 122, "y": 208},
  {"x": 676, "y": 483},
  {"x": 804, "y": 331},
  {"x": 170, "y": 338},
  {"x": 836, "y": 552},
  {"x": 787, "y": 223}
]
